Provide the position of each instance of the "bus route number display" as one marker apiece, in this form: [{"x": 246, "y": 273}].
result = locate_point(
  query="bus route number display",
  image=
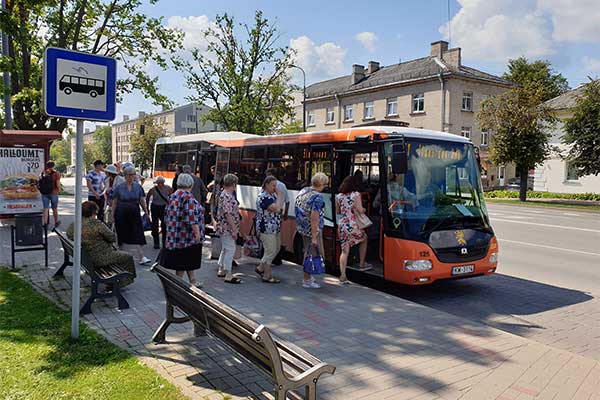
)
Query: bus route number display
[{"x": 20, "y": 170}]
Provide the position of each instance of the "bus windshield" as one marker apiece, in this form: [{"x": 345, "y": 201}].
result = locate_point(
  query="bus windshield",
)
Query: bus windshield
[{"x": 441, "y": 190}]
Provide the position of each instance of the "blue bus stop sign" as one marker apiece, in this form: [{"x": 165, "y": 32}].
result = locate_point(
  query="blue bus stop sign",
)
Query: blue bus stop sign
[{"x": 79, "y": 85}]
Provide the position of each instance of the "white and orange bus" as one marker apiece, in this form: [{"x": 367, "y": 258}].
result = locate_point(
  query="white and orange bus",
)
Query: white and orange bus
[{"x": 421, "y": 189}]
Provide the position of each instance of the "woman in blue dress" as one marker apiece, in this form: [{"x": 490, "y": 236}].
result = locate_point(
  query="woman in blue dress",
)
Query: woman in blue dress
[{"x": 128, "y": 197}]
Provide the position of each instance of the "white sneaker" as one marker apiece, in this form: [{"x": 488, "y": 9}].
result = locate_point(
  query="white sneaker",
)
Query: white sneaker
[
  {"x": 145, "y": 260},
  {"x": 311, "y": 285},
  {"x": 198, "y": 284}
]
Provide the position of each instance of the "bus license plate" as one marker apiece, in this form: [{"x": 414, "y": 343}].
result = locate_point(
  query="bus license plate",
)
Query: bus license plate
[{"x": 463, "y": 269}]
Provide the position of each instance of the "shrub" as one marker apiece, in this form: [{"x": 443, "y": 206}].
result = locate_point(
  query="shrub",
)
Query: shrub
[{"x": 507, "y": 194}]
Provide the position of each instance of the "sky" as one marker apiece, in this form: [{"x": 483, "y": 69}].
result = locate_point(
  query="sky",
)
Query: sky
[{"x": 329, "y": 36}]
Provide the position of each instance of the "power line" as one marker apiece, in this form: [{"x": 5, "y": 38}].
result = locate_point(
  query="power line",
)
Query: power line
[{"x": 449, "y": 33}]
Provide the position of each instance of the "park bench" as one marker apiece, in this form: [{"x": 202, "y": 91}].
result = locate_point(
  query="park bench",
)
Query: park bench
[
  {"x": 291, "y": 368},
  {"x": 106, "y": 275}
]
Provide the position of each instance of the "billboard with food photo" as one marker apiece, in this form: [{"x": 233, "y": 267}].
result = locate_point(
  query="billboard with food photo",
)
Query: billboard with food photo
[{"x": 20, "y": 169}]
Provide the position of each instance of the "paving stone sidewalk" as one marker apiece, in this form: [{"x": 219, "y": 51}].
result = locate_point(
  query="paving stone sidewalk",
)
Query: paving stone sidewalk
[{"x": 384, "y": 347}]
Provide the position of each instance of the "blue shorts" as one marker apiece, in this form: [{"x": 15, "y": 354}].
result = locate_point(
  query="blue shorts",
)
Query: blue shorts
[{"x": 50, "y": 199}]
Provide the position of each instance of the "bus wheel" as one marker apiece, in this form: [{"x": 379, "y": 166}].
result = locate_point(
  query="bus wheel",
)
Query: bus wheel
[
  {"x": 298, "y": 250},
  {"x": 93, "y": 93},
  {"x": 67, "y": 90}
]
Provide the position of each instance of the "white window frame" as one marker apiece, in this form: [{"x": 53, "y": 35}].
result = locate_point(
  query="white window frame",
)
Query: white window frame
[
  {"x": 486, "y": 135},
  {"x": 393, "y": 111},
  {"x": 567, "y": 167},
  {"x": 310, "y": 118},
  {"x": 468, "y": 97},
  {"x": 466, "y": 132},
  {"x": 418, "y": 103},
  {"x": 348, "y": 113},
  {"x": 329, "y": 112},
  {"x": 369, "y": 105}
]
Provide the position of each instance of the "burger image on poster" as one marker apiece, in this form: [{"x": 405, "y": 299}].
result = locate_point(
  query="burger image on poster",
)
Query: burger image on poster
[
  {"x": 19, "y": 187},
  {"x": 81, "y": 85}
]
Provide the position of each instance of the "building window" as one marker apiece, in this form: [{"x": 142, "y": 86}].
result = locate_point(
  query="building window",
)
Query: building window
[
  {"x": 369, "y": 110},
  {"x": 191, "y": 118},
  {"x": 485, "y": 138},
  {"x": 330, "y": 116},
  {"x": 311, "y": 118},
  {"x": 418, "y": 103},
  {"x": 467, "y": 102},
  {"x": 392, "y": 107},
  {"x": 348, "y": 115},
  {"x": 572, "y": 172},
  {"x": 465, "y": 131}
]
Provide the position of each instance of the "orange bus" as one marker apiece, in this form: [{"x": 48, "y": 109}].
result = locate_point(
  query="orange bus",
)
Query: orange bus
[{"x": 421, "y": 188}]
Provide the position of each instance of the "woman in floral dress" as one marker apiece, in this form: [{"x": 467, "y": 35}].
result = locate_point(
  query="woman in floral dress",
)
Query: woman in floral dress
[
  {"x": 348, "y": 203},
  {"x": 228, "y": 227}
]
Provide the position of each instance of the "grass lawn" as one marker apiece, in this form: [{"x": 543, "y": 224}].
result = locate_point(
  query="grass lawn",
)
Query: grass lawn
[
  {"x": 39, "y": 361},
  {"x": 541, "y": 203}
]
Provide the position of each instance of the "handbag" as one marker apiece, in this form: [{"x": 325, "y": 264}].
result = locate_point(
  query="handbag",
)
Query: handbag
[
  {"x": 363, "y": 221},
  {"x": 252, "y": 245},
  {"x": 146, "y": 222},
  {"x": 313, "y": 264}
]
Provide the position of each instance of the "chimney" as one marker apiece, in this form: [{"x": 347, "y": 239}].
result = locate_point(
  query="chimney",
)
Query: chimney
[
  {"x": 125, "y": 117},
  {"x": 438, "y": 48},
  {"x": 373, "y": 66},
  {"x": 358, "y": 73},
  {"x": 141, "y": 114},
  {"x": 452, "y": 57}
]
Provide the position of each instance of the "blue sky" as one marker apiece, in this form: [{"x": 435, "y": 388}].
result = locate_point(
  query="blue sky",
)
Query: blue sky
[{"x": 332, "y": 35}]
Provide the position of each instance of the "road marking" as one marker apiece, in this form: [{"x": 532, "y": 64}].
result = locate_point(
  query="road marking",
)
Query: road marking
[
  {"x": 519, "y": 216},
  {"x": 550, "y": 247},
  {"x": 572, "y": 214},
  {"x": 547, "y": 225}
]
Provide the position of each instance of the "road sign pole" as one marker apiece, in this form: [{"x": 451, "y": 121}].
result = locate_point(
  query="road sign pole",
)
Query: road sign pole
[{"x": 77, "y": 233}]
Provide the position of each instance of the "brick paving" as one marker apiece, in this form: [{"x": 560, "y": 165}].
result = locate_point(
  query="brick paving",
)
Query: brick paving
[{"x": 385, "y": 347}]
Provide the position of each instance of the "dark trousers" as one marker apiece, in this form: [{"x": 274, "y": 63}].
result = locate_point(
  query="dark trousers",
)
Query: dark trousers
[
  {"x": 158, "y": 215},
  {"x": 100, "y": 203}
]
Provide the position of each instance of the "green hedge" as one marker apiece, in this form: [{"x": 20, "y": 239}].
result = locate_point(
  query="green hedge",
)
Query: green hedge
[{"x": 509, "y": 194}]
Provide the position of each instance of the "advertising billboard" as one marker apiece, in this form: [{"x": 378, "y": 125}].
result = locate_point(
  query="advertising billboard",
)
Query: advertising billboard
[{"x": 20, "y": 170}]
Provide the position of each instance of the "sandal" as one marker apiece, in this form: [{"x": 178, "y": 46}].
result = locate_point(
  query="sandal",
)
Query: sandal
[
  {"x": 271, "y": 280},
  {"x": 221, "y": 275},
  {"x": 259, "y": 272},
  {"x": 234, "y": 280}
]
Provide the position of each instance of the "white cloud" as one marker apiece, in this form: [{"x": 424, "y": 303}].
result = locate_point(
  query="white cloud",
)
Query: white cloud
[
  {"x": 319, "y": 61},
  {"x": 573, "y": 20},
  {"x": 500, "y": 29},
  {"x": 193, "y": 27},
  {"x": 591, "y": 65},
  {"x": 367, "y": 39}
]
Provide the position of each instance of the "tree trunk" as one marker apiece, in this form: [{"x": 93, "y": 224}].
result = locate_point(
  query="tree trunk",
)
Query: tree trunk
[{"x": 524, "y": 175}]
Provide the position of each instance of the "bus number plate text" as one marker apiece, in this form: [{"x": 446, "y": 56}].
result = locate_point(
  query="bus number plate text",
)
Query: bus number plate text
[{"x": 463, "y": 269}]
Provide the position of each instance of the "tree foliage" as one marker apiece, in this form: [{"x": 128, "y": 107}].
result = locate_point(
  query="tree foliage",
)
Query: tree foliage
[
  {"x": 294, "y": 126},
  {"x": 103, "y": 143},
  {"x": 520, "y": 125},
  {"x": 113, "y": 28},
  {"x": 537, "y": 74},
  {"x": 583, "y": 131},
  {"x": 60, "y": 153},
  {"x": 142, "y": 145},
  {"x": 242, "y": 78}
]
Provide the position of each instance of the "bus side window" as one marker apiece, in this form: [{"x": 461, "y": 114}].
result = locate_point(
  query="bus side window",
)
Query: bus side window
[{"x": 75, "y": 80}]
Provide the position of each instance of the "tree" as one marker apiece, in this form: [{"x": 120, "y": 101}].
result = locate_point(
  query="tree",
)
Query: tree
[
  {"x": 520, "y": 125},
  {"x": 537, "y": 74},
  {"x": 244, "y": 80},
  {"x": 114, "y": 28},
  {"x": 294, "y": 126},
  {"x": 60, "y": 153},
  {"x": 142, "y": 144},
  {"x": 583, "y": 131},
  {"x": 103, "y": 143}
]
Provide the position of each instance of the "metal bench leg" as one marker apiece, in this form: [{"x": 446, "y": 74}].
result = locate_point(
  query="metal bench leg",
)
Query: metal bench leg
[
  {"x": 280, "y": 392},
  {"x": 122, "y": 303},
  {"x": 160, "y": 334},
  {"x": 87, "y": 307},
  {"x": 311, "y": 391},
  {"x": 65, "y": 264}
]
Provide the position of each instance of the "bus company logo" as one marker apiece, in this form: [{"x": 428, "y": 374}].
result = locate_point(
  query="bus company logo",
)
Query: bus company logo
[
  {"x": 464, "y": 251},
  {"x": 460, "y": 239}
]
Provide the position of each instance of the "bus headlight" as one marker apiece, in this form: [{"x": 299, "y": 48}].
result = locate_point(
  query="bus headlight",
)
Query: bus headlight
[
  {"x": 493, "y": 258},
  {"x": 417, "y": 265}
]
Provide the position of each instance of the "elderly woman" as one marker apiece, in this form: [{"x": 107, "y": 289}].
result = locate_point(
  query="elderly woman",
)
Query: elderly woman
[
  {"x": 310, "y": 208},
  {"x": 184, "y": 218},
  {"x": 268, "y": 226},
  {"x": 128, "y": 197},
  {"x": 98, "y": 240},
  {"x": 157, "y": 199},
  {"x": 113, "y": 179},
  {"x": 228, "y": 227}
]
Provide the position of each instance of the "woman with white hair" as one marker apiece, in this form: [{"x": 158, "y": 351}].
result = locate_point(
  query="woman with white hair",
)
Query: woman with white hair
[
  {"x": 184, "y": 218},
  {"x": 128, "y": 197},
  {"x": 309, "y": 210},
  {"x": 157, "y": 199},
  {"x": 228, "y": 227}
]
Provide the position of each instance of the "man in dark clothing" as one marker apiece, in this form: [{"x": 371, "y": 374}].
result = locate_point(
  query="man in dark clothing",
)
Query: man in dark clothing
[{"x": 199, "y": 189}]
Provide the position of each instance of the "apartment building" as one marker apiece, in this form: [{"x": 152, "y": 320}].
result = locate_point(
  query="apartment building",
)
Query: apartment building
[
  {"x": 182, "y": 120},
  {"x": 88, "y": 138},
  {"x": 434, "y": 92}
]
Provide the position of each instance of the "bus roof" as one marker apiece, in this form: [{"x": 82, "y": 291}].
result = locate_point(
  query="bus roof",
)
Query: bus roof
[{"x": 238, "y": 139}]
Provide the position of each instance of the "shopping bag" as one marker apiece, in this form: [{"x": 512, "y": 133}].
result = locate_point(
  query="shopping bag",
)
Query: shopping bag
[
  {"x": 146, "y": 222},
  {"x": 252, "y": 245},
  {"x": 314, "y": 264}
]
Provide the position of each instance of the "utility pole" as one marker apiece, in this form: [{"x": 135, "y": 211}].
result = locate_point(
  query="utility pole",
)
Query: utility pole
[{"x": 7, "y": 107}]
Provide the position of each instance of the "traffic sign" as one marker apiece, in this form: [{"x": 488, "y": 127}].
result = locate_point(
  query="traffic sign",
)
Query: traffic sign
[{"x": 79, "y": 85}]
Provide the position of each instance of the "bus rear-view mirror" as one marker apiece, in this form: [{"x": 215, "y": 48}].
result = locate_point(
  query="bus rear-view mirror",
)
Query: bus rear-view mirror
[{"x": 399, "y": 159}]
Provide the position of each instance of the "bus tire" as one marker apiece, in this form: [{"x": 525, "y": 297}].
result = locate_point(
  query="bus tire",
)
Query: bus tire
[
  {"x": 67, "y": 91},
  {"x": 93, "y": 93}
]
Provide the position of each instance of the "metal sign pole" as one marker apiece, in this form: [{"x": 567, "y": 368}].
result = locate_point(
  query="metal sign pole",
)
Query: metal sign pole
[{"x": 77, "y": 233}]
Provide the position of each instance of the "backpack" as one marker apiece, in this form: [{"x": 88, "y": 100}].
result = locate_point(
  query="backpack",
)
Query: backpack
[{"x": 46, "y": 183}]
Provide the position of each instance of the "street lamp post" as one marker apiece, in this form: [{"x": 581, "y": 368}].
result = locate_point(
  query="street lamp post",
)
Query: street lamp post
[{"x": 303, "y": 96}]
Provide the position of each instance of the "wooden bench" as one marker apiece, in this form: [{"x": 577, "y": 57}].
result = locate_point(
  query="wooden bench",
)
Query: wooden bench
[
  {"x": 290, "y": 367},
  {"x": 107, "y": 275}
]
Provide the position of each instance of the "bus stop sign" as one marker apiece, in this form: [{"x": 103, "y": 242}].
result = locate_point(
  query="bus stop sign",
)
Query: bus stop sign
[{"x": 79, "y": 85}]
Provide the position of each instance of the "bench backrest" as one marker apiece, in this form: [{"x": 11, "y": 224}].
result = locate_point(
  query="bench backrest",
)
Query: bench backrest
[
  {"x": 68, "y": 247},
  {"x": 246, "y": 336}
]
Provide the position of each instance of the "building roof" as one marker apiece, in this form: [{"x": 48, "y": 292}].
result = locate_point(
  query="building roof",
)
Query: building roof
[
  {"x": 421, "y": 68},
  {"x": 22, "y": 137},
  {"x": 566, "y": 100},
  {"x": 159, "y": 113}
]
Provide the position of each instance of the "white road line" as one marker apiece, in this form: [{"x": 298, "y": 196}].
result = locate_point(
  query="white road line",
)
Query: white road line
[
  {"x": 572, "y": 214},
  {"x": 547, "y": 225},
  {"x": 549, "y": 247},
  {"x": 519, "y": 216}
]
